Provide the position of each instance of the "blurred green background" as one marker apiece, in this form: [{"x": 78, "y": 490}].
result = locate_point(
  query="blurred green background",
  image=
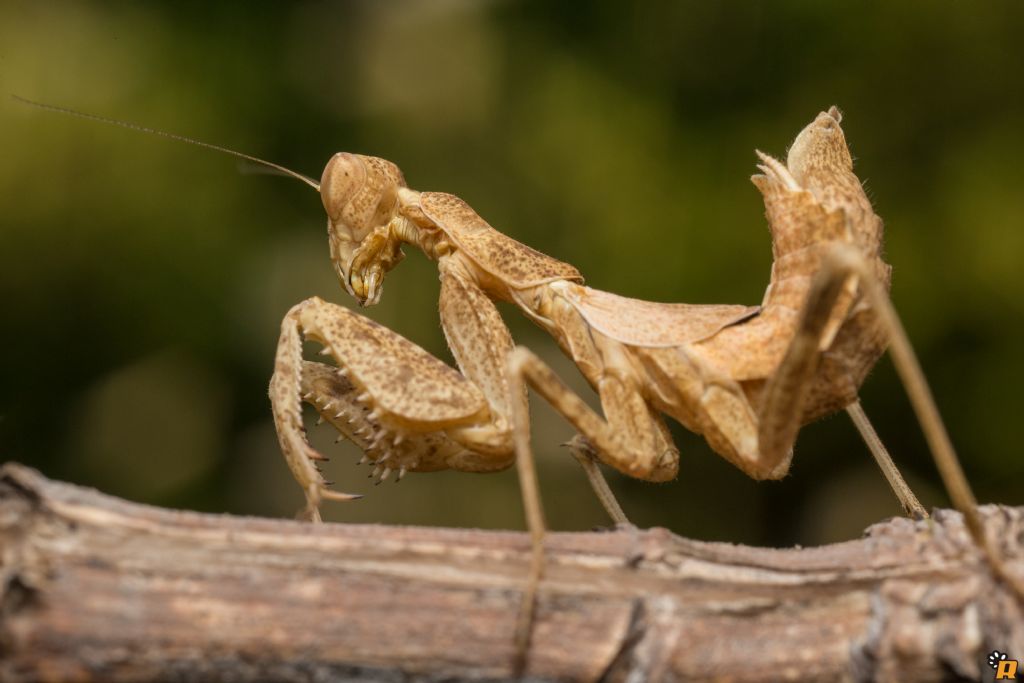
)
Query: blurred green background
[{"x": 143, "y": 281}]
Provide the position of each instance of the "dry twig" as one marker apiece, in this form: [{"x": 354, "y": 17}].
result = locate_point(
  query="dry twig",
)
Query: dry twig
[{"x": 96, "y": 588}]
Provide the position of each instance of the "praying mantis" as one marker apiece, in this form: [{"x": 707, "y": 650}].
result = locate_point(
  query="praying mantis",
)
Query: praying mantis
[{"x": 745, "y": 377}]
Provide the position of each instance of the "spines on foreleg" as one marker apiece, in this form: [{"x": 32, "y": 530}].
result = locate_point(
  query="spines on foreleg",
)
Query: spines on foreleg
[
  {"x": 285, "y": 393},
  {"x": 386, "y": 447}
]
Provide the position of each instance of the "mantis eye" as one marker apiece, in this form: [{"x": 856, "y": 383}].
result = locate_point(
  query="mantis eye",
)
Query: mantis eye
[
  {"x": 359, "y": 194},
  {"x": 344, "y": 176}
]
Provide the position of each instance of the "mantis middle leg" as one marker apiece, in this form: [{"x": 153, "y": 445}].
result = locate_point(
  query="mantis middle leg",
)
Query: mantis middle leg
[
  {"x": 632, "y": 439},
  {"x": 482, "y": 347}
]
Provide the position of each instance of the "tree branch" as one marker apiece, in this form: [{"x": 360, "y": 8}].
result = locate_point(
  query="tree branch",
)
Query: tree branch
[{"x": 96, "y": 588}]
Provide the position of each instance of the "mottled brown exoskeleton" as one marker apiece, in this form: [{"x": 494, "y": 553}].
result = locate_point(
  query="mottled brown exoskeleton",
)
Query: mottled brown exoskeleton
[{"x": 745, "y": 377}]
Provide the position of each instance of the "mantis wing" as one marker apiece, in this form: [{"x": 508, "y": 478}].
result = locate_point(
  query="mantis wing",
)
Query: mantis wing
[{"x": 647, "y": 323}]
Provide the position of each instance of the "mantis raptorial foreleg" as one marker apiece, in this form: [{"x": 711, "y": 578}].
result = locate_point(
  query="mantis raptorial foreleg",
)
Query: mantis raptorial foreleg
[
  {"x": 336, "y": 398},
  {"x": 477, "y": 337},
  {"x": 405, "y": 409},
  {"x": 286, "y": 390}
]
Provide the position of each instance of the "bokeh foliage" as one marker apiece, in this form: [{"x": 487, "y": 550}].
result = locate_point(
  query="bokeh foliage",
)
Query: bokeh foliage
[{"x": 143, "y": 282}]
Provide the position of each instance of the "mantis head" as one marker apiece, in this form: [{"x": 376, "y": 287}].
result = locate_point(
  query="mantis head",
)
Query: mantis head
[
  {"x": 360, "y": 195},
  {"x": 821, "y": 146}
]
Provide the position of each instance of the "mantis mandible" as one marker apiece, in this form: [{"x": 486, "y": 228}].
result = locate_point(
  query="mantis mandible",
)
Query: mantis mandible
[{"x": 745, "y": 377}]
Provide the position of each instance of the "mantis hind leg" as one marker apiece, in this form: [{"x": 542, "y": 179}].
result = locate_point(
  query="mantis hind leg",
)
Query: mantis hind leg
[
  {"x": 921, "y": 399},
  {"x": 911, "y": 505},
  {"x": 781, "y": 411},
  {"x": 782, "y": 405}
]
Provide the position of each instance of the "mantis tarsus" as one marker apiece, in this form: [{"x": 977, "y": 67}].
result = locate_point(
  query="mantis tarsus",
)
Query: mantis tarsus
[{"x": 746, "y": 377}]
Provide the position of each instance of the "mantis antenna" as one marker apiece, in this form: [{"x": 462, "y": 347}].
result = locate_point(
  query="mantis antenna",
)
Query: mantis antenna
[{"x": 181, "y": 138}]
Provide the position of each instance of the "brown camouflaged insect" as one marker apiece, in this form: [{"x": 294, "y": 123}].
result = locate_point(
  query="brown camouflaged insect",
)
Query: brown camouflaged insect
[{"x": 745, "y": 377}]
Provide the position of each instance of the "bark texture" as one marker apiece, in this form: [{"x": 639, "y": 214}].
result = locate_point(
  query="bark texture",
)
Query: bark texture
[{"x": 99, "y": 589}]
